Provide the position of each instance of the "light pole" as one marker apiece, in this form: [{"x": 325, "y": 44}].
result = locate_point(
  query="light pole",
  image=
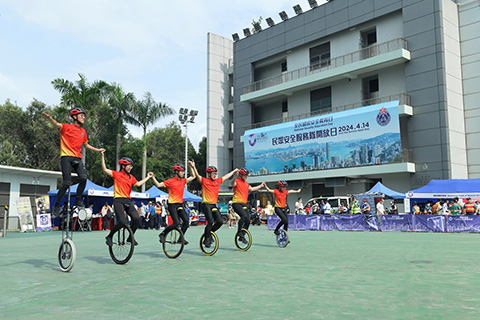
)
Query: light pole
[{"x": 185, "y": 118}]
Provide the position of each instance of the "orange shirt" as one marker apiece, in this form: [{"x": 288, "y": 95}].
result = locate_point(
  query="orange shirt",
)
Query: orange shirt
[
  {"x": 176, "y": 187},
  {"x": 240, "y": 191},
  {"x": 280, "y": 198},
  {"x": 122, "y": 184},
  {"x": 72, "y": 138},
  {"x": 210, "y": 190},
  {"x": 469, "y": 207}
]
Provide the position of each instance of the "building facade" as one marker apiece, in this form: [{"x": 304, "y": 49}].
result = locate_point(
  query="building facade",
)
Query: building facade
[{"x": 349, "y": 55}]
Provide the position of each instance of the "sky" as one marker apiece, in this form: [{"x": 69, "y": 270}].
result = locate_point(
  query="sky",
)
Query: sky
[{"x": 155, "y": 46}]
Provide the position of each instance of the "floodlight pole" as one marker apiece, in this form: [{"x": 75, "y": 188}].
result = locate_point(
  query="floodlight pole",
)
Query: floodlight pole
[
  {"x": 186, "y": 149},
  {"x": 184, "y": 120}
]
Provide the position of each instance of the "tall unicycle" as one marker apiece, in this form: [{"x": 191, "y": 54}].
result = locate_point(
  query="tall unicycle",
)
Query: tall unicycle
[
  {"x": 243, "y": 240},
  {"x": 67, "y": 252},
  {"x": 209, "y": 246},
  {"x": 174, "y": 243},
  {"x": 282, "y": 238},
  {"x": 123, "y": 244}
]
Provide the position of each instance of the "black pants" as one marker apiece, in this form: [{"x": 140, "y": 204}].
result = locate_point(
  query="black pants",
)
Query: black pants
[
  {"x": 282, "y": 214},
  {"x": 244, "y": 221},
  {"x": 122, "y": 206},
  {"x": 176, "y": 210},
  {"x": 214, "y": 218},
  {"x": 67, "y": 164}
]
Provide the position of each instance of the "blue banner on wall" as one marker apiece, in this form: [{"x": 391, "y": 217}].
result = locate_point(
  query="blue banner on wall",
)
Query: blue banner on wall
[
  {"x": 463, "y": 224},
  {"x": 395, "y": 222},
  {"x": 358, "y": 137}
]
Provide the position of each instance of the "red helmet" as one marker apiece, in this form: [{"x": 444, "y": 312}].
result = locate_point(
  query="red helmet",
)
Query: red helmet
[
  {"x": 125, "y": 161},
  {"x": 211, "y": 169},
  {"x": 76, "y": 111},
  {"x": 178, "y": 167},
  {"x": 243, "y": 171},
  {"x": 282, "y": 183}
]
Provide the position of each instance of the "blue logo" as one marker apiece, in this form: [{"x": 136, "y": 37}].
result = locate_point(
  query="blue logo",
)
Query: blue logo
[
  {"x": 383, "y": 117},
  {"x": 252, "y": 139}
]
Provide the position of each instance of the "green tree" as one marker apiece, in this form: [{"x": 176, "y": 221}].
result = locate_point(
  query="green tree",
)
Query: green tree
[
  {"x": 13, "y": 150},
  {"x": 143, "y": 114}
]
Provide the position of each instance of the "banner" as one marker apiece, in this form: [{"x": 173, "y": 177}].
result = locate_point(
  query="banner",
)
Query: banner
[
  {"x": 25, "y": 217},
  {"x": 394, "y": 222},
  {"x": 430, "y": 223},
  {"x": 44, "y": 223},
  {"x": 463, "y": 224},
  {"x": 357, "y": 137}
]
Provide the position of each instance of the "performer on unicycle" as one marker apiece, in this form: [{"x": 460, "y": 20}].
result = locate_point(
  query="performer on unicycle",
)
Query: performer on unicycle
[
  {"x": 122, "y": 187},
  {"x": 240, "y": 199},
  {"x": 210, "y": 187},
  {"x": 280, "y": 195},
  {"x": 72, "y": 137},
  {"x": 176, "y": 187}
]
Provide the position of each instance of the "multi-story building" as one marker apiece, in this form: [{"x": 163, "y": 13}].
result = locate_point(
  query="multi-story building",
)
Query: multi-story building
[{"x": 423, "y": 55}]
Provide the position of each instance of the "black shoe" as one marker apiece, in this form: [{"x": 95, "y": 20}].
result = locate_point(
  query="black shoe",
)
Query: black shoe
[
  {"x": 55, "y": 211},
  {"x": 185, "y": 242},
  {"x": 79, "y": 203},
  {"x": 276, "y": 232},
  {"x": 242, "y": 239},
  {"x": 108, "y": 241},
  {"x": 207, "y": 243},
  {"x": 162, "y": 238}
]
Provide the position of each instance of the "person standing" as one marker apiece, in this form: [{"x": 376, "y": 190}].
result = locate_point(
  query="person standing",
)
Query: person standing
[
  {"x": 240, "y": 199},
  {"x": 469, "y": 207},
  {"x": 107, "y": 214},
  {"x": 123, "y": 182},
  {"x": 380, "y": 207},
  {"x": 158, "y": 215},
  {"x": 365, "y": 207},
  {"x": 455, "y": 208},
  {"x": 210, "y": 188},
  {"x": 280, "y": 195},
  {"x": 164, "y": 214},
  {"x": 72, "y": 138},
  {"x": 327, "y": 209},
  {"x": 299, "y": 206},
  {"x": 355, "y": 206},
  {"x": 151, "y": 215},
  {"x": 176, "y": 187}
]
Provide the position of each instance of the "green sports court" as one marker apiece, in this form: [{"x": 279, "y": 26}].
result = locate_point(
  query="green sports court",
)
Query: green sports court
[{"x": 319, "y": 275}]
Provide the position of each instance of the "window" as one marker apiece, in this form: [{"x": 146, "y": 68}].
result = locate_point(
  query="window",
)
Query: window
[
  {"x": 371, "y": 90},
  {"x": 368, "y": 41},
  {"x": 320, "y": 56},
  {"x": 285, "y": 110},
  {"x": 321, "y": 100},
  {"x": 284, "y": 66}
]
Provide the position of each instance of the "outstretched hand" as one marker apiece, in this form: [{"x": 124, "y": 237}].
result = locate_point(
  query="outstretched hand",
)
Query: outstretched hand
[{"x": 150, "y": 174}]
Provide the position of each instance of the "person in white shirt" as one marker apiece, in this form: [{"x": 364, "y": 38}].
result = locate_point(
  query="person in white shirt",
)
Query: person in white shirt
[
  {"x": 380, "y": 208},
  {"x": 299, "y": 206},
  {"x": 327, "y": 208}
]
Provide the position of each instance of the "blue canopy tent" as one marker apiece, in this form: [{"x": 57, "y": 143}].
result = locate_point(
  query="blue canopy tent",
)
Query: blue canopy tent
[
  {"x": 91, "y": 190},
  {"x": 380, "y": 188},
  {"x": 380, "y": 191},
  {"x": 155, "y": 193},
  {"x": 188, "y": 196}
]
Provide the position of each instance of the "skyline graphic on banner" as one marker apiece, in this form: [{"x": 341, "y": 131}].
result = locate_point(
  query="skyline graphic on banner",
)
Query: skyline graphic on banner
[{"x": 359, "y": 137}]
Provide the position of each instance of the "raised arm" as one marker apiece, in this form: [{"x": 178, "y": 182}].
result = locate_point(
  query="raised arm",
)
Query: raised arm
[
  {"x": 228, "y": 175},
  {"x": 89, "y": 147},
  {"x": 104, "y": 167},
  {"x": 295, "y": 191},
  {"x": 268, "y": 189},
  {"x": 158, "y": 184},
  {"x": 252, "y": 189},
  {"x": 56, "y": 124},
  {"x": 194, "y": 171},
  {"x": 234, "y": 180},
  {"x": 140, "y": 183}
]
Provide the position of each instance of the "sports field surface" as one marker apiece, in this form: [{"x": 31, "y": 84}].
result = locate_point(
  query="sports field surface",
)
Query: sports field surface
[{"x": 319, "y": 275}]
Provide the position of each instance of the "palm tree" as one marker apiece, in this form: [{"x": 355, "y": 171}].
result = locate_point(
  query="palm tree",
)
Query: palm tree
[
  {"x": 121, "y": 105},
  {"x": 145, "y": 113}
]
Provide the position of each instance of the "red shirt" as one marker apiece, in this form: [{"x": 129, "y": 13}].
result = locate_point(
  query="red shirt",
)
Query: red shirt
[
  {"x": 176, "y": 187},
  {"x": 210, "y": 190},
  {"x": 122, "y": 184},
  {"x": 280, "y": 198},
  {"x": 240, "y": 191},
  {"x": 72, "y": 137}
]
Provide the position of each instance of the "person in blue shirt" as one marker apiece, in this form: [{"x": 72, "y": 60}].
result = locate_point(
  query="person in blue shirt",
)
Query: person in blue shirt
[
  {"x": 151, "y": 215},
  {"x": 365, "y": 207}
]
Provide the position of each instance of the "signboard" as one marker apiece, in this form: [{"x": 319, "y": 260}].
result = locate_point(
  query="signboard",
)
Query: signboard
[
  {"x": 358, "y": 137},
  {"x": 44, "y": 223},
  {"x": 107, "y": 193},
  {"x": 25, "y": 216}
]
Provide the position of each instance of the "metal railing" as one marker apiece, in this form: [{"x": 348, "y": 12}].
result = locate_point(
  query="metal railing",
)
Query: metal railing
[
  {"x": 323, "y": 65},
  {"x": 404, "y": 99}
]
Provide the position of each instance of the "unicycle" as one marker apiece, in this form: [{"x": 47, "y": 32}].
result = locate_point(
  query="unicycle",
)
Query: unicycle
[
  {"x": 209, "y": 251},
  {"x": 282, "y": 238},
  {"x": 174, "y": 243},
  {"x": 243, "y": 244},
  {"x": 67, "y": 252},
  {"x": 123, "y": 244}
]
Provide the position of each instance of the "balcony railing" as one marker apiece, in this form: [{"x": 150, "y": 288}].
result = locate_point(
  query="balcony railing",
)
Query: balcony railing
[
  {"x": 349, "y": 58},
  {"x": 402, "y": 97}
]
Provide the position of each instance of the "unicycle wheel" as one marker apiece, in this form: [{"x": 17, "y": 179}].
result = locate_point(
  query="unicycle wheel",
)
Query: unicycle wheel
[
  {"x": 123, "y": 245},
  {"x": 209, "y": 251},
  {"x": 282, "y": 238},
  {"x": 243, "y": 240},
  {"x": 67, "y": 255},
  {"x": 174, "y": 243}
]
